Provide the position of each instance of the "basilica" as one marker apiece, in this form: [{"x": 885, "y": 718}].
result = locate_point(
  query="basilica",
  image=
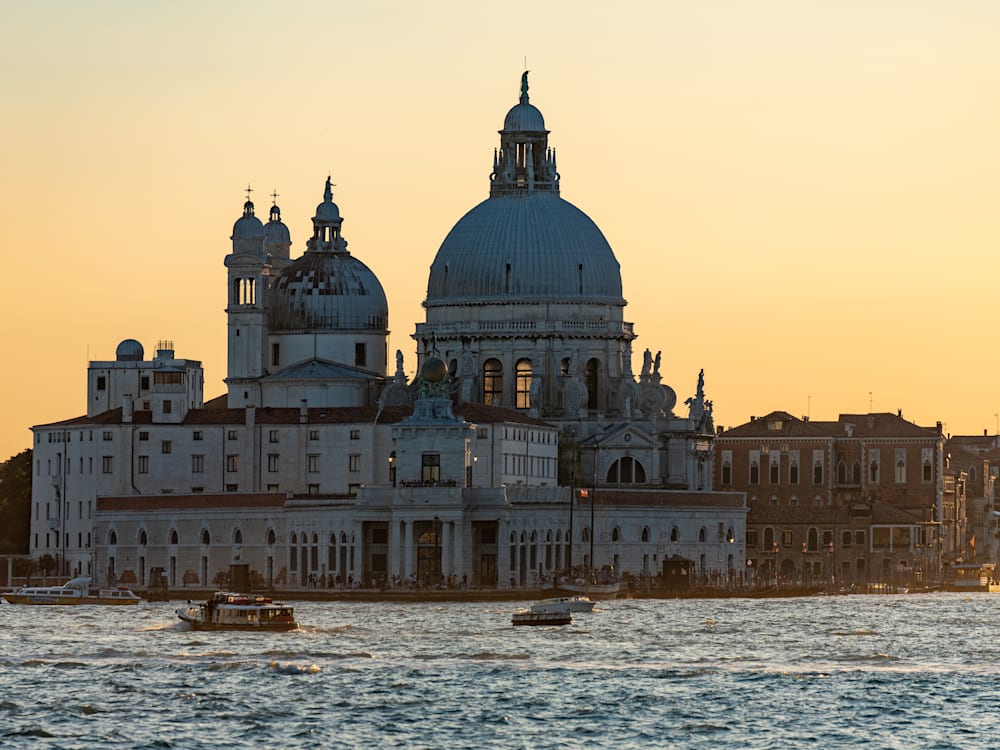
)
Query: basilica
[{"x": 525, "y": 448}]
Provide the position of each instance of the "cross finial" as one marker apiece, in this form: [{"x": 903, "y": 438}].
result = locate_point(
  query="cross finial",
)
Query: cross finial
[
  {"x": 248, "y": 191},
  {"x": 274, "y": 197}
]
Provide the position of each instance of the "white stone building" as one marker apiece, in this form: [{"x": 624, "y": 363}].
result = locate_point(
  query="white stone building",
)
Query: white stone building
[{"x": 320, "y": 465}]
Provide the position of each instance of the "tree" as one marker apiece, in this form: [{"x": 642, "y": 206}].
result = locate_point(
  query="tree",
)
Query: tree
[{"x": 15, "y": 504}]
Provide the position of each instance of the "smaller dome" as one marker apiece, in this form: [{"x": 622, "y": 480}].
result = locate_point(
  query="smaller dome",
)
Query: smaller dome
[
  {"x": 248, "y": 226},
  {"x": 327, "y": 211},
  {"x": 524, "y": 118},
  {"x": 433, "y": 370},
  {"x": 275, "y": 231},
  {"x": 130, "y": 350}
]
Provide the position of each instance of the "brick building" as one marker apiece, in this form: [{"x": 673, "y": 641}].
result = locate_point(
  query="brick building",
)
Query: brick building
[{"x": 866, "y": 498}]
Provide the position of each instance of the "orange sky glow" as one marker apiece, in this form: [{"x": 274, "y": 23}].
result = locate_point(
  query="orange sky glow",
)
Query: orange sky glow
[{"x": 803, "y": 196}]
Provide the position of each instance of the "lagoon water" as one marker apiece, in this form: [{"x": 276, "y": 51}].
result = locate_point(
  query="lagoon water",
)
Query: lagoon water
[{"x": 907, "y": 671}]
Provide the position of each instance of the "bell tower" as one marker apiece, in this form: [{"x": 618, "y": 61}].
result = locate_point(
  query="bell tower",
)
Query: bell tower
[{"x": 245, "y": 308}]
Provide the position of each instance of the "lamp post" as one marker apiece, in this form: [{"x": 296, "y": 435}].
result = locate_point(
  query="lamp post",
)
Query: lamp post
[{"x": 776, "y": 549}]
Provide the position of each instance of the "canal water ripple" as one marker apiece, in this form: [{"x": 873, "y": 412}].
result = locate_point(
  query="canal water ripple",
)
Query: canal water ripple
[{"x": 902, "y": 671}]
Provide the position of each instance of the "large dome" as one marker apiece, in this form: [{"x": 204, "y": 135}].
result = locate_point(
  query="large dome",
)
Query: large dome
[
  {"x": 328, "y": 292},
  {"x": 525, "y": 247}
]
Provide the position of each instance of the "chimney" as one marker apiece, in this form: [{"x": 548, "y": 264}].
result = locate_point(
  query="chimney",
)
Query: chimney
[{"x": 939, "y": 427}]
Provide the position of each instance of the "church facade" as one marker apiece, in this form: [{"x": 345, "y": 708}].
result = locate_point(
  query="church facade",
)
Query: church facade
[{"x": 524, "y": 449}]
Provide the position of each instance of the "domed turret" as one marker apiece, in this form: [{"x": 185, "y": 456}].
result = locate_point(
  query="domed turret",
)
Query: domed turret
[
  {"x": 277, "y": 238},
  {"x": 248, "y": 232},
  {"x": 130, "y": 350},
  {"x": 327, "y": 289}
]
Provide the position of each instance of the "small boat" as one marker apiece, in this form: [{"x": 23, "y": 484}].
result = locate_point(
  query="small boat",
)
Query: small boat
[
  {"x": 231, "y": 611},
  {"x": 564, "y": 604},
  {"x": 75, "y": 591},
  {"x": 541, "y": 617}
]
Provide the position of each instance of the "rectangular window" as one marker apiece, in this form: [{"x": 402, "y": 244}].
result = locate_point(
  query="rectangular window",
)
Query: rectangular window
[
  {"x": 312, "y": 463},
  {"x": 272, "y": 462},
  {"x": 107, "y": 464},
  {"x": 314, "y": 434},
  {"x": 360, "y": 356},
  {"x": 786, "y": 538},
  {"x": 775, "y": 470},
  {"x": 232, "y": 462},
  {"x": 167, "y": 446},
  {"x": 168, "y": 406},
  {"x": 144, "y": 383},
  {"x": 143, "y": 436},
  {"x": 352, "y": 489},
  {"x": 145, "y": 406},
  {"x": 482, "y": 433},
  {"x": 198, "y": 435},
  {"x": 143, "y": 464},
  {"x": 197, "y": 464},
  {"x": 232, "y": 488},
  {"x": 430, "y": 467},
  {"x": 102, "y": 383},
  {"x": 275, "y": 355},
  {"x": 355, "y": 434},
  {"x": 231, "y": 435},
  {"x": 197, "y": 490},
  {"x": 727, "y": 474},
  {"x": 272, "y": 436},
  {"x": 793, "y": 472},
  {"x": 168, "y": 378},
  {"x": 272, "y": 488},
  {"x": 107, "y": 435},
  {"x": 354, "y": 462},
  {"x": 313, "y": 489},
  {"x": 752, "y": 539}
]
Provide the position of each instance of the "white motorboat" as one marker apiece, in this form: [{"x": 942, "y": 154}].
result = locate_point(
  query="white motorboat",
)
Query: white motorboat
[
  {"x": 75, "y": 591},
  {"x": 564, "y": 604}
]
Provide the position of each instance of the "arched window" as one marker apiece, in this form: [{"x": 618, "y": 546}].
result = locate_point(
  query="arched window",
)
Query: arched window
[
  {"x": 626, "y": 470},
  {"x": 593, "y": 386},
  {"x": 493, "y": 383},
  {"x": 585, "y": 535},
  {"x": 173, "y": 537},
  {"x": 702, "y": 534},
  {"x": 873, "y": 472},
  {"x": 841, "y": 472},
  {"x": 730, "y": 536},
  {"x": 972, "y": 473},
  {"x": 522, "y": 384},
  {"x": 768, "y": 538},
  {"x": 674, "y": 535},
  {"x": 645, "y": 533},
  {"x": 616, "y": 534},
  {"x": 143, "y": 539},
  {"x": 206, "y": 538},
  {"x": 271, "y": 537},
  {"x": 856, "y": 473},
  {"x": 293, "y": 539},
  {"x": 237, "y": 536},
  {"x": 112, "y": 537}
]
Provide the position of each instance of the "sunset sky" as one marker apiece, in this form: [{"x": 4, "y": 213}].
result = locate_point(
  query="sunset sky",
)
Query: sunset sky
[{"x": 803, "y": 196}]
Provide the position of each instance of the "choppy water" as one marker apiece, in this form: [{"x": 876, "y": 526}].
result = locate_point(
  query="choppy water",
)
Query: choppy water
[{"x": 877, "y": 671}]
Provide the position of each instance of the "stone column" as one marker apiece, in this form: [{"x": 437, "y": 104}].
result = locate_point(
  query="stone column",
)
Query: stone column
[
  {"x": 394, "y": 549},
  {"x": 407, "y": 529},
  {"x": 503, "y": 554},
  {"x": 446, "y": 549}
]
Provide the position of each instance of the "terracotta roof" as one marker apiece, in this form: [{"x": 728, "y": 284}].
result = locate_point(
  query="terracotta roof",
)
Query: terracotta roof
[
  {"x": 863, "y": 426},
  {"x": 215, "y": 412},
  {"x": 187, "y": 502}
]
